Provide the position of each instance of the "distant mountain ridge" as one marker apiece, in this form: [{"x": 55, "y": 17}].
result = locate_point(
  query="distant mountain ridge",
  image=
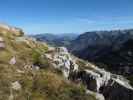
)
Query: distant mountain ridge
[
  {"x": 62, "y": 39},
  {"x": 32, "y": 69},
  {"x": 111, "y": 50},
  {"x": 94, "y": 44}
]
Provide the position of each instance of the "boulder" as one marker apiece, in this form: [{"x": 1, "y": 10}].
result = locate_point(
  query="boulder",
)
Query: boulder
[
  {"x": 61, "y": 50},
  {"x": 62, "y": 60},
  {"x": 16, "y": 86},
  {"x": 12, "y": 61},
  {"x": 2, "y": 43},
  {"x": 1, "y": 39}
]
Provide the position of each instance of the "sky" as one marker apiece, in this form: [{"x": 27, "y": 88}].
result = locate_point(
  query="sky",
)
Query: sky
[{"x": 67, "y": 16}]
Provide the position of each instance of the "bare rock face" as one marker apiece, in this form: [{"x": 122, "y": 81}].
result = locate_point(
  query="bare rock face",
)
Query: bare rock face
[
  {"x": 16, "y": 85},
  {"x": 104, "y": 85},
  {"x": 62, "y": 60},
  {"x": 12, "y": 61},
  {"x": 1, "y": 39},
  {"x": 117, "y": 92},
  {"x": 113, "y": 87}
]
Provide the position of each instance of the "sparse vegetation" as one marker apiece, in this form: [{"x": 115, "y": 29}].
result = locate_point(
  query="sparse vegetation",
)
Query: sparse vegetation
[{"x": 45, "y": 84}]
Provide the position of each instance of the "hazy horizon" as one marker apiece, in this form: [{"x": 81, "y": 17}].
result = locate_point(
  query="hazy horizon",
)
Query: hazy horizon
[{"x": 67, "y": 16}]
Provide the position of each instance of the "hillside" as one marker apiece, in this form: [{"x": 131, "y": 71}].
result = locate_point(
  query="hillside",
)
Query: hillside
[
  {"x": 91, "y": 43},
  {"x": 111, "y": 50},
  {"x": 25, "y": 73},
  {"x": 119, "y": 61},
  {"x": 32, "y": 70}
]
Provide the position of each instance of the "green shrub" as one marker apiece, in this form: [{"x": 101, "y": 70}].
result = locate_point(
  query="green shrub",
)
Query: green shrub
[
  {"x": 36, "y": 56},
  {"x": 130, "y": 77}
]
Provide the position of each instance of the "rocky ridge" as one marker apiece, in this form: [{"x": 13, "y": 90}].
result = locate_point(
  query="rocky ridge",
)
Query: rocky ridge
[
  {"x": 98, "y": 81},
  {"x": 30, "y": 70},
  {"x": 26, "y": 72}
]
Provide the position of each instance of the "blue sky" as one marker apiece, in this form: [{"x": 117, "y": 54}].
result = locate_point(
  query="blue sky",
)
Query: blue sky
[{"x": 66, "y": 16}]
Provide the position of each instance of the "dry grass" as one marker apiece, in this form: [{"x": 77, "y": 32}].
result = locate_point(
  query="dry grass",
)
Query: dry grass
[{"x": 46, "y": 84}]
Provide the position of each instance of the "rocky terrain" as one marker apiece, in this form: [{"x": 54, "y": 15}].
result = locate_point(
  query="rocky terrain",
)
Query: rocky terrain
[
  {"x": 98, "y": 82},
  {"x": 111, "y": 50},
  {"x": 32, "y": 70},
  {"x": 27, "y": 74},
  {"x": 107, "y": 49}
]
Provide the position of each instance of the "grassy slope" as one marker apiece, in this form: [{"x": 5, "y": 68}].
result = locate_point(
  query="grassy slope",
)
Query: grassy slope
[{"x": 45, "y": 84}]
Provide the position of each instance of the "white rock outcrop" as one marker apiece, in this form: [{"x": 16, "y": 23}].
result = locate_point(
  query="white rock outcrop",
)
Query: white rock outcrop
[
  {"x": 99, "y": 81},
  {"x": 12, "y": 61},
  {"x": 2, "y": 43},
  {"x": 62, "y": 60},
  {"x": 103, "y": 84},
  {"x": 16, "y": 85}
]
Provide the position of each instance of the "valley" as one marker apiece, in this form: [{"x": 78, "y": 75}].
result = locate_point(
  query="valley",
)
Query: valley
[{"x": 109, "y": 50}]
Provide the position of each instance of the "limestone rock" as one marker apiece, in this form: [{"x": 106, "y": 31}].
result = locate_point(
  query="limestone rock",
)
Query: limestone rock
[
  {"x": 62, "y": 50},
  {"x": 2, "y": 43},
  {"x": 117, "y": 92},
  {"x": 99, "y": 82},
  {"x": 36, "y": 68},
  {"x": 62, "y": 60},
  {"x": 12, "y": 61},
  {"x": 16, "y": 85},
  {"x": 112, "y": 86},
  {"x": 1, "y": 39},
  {"x": 20, "y": 71}
]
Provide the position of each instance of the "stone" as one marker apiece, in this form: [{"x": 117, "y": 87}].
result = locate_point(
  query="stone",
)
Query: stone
[
  {"x": 99, "y": 82},
  {"x": 16, "y": 85},
  {"x": 12, "y": 61},
  {"x": 35, "y": 68},
  {"x": 61, "y": 50},
  {"x": 20, "y": 71},
  {"x": 117, "y": 92},
  {"x": 62, "y": 60},
  {"x": 113, "y": 87},
  {"x": 2, "y": 43},
  {"x": 17, "y": 31},
  {"x": 1, "y": 39}
]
